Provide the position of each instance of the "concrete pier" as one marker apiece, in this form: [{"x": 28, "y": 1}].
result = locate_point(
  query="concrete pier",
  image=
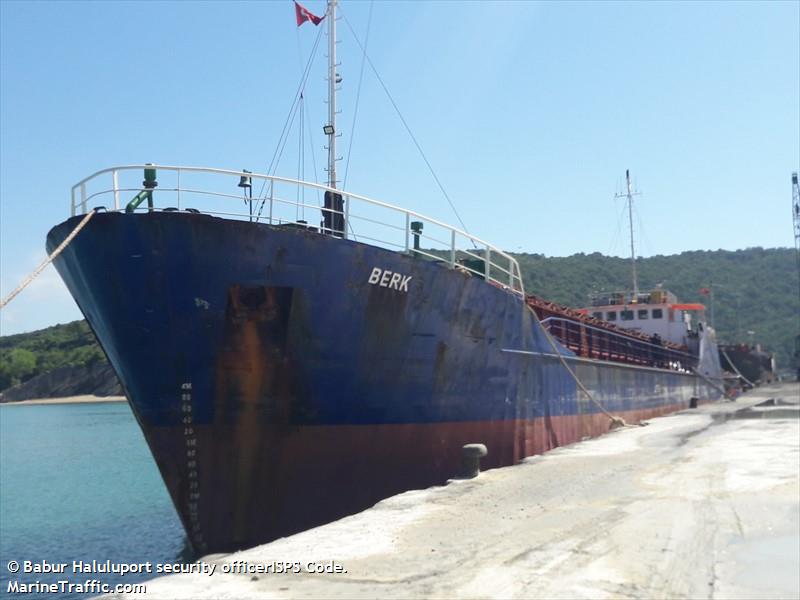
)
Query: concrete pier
[{"x": 700, "y": 504}]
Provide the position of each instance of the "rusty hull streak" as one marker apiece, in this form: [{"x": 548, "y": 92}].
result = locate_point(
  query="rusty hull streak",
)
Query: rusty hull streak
[{"x": 256, "y": 384}]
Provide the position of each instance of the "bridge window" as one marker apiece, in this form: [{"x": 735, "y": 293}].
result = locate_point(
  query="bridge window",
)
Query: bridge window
[
  {"x": 658, "y": 313},
  {"x": 611, "y": 316},
  {"x": 642, "y": 313},
  {"x": 626, "y": 315}
]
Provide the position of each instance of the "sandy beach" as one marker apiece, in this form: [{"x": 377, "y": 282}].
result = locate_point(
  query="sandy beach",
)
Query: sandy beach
[{"x": 68, "y": 400}]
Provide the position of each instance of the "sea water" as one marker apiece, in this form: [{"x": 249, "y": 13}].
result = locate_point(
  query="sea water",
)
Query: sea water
[{"x": 78, "y": 483}]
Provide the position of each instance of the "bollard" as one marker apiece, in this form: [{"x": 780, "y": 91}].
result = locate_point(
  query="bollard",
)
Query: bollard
[{"x": 471, "y": 455}]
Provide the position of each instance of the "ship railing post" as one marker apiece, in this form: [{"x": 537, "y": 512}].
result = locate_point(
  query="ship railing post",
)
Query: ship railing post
[
  {"x": 271, "y": 192},
  {"x": 83, "y": 198},
  {"x": 488, "y": 259},
  {"x": 408, "y": 228},
  {"x": 179, "y": 189},
  {"x": 72, "y": 203},
  {"x": 452, "y": 248},
  {"x": 511, "y": 272},
  {"x": 346, "y": 216},
  {"x": 115, "y": 181}
]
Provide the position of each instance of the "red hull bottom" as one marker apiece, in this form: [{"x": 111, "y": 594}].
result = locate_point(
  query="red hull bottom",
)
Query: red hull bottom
[{"x": 259, "y": 482}]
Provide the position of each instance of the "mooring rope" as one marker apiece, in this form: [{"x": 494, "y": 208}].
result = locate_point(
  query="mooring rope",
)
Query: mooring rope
[
  {"x": 615, "y": 421},
  {"x": 48, "y": 260}
]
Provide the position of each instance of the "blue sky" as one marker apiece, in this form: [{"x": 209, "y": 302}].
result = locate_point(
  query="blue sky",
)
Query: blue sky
[{"x": 529, "y": 112}]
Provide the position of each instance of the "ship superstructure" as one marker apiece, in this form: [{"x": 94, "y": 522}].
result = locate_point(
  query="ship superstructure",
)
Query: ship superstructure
[{"x": 657, "y": 314}]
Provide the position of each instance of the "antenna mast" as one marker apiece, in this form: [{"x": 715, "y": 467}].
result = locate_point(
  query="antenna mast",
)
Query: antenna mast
[
  {"x": 333, "y": 80},
  {"x": 796, "y": 219},
  {"x": 629, "y": 195}
]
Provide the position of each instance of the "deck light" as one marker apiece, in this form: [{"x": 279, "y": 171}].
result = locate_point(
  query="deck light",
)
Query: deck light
[
  {"x": 149, "y": 182},
  {"x": 328, "y": 129}
]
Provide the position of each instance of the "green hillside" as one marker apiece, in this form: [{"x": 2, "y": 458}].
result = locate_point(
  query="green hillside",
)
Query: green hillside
[
  {"x": 755, "y": 290},
  {"x": 26, "y": 355}
]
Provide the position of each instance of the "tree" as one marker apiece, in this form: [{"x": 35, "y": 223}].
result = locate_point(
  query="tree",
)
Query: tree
[{"x": 20, "y": 365}]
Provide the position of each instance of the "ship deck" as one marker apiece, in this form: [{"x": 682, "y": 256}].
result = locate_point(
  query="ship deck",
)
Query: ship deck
[{"x": 703, "y": 503}]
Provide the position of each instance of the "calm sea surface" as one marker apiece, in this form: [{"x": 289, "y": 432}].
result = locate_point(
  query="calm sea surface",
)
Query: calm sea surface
[{"x": 77, "y": 482}]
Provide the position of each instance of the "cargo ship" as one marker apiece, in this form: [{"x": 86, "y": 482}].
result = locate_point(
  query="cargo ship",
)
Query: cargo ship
[{"x": 286, "y": 371}]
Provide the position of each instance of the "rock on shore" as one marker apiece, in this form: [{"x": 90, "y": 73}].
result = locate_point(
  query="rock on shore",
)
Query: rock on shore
[{"x": 98, "y": 380}]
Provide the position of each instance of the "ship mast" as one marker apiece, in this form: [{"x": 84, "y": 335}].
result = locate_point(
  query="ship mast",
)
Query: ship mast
[
  {"x": 330, "y": 129},
  {"x": 796, "y": 221},
  {"x": 630, "y": 221},
  {"x": 629, "y": 195}
]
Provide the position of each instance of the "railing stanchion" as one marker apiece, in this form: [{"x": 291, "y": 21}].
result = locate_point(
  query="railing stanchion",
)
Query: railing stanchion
[
  {"x": 115, "y": 180},
  {"x": 72, "y": 203},
  {"x": 346, "y": 216},
  {"x": 488, "y": 258},
  {"x": 179, "y": 189},
  {"x": 511, "y": 273},
  {"x": 271, "y": 190},
  {"x": 408, "y": 226},
  {"x": 83, "y": 198},
  {"x": 452, "y": 248}
]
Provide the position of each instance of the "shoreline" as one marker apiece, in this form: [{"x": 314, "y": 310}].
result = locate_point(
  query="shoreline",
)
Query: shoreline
[{"x": 83, "y": 399}]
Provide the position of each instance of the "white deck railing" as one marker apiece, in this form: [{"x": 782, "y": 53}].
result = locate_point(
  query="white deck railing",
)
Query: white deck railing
[{"x": 282, "y": 201}]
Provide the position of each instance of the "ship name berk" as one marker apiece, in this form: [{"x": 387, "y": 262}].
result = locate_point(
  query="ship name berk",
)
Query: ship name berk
[{"x": 388, "y": 279}]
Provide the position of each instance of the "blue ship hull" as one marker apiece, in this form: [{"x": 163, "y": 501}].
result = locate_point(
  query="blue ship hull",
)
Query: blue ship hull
[{"x": 281, "y": 384}]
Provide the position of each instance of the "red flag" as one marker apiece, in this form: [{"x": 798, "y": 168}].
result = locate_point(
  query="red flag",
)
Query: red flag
[
  {"x": 705, "y": 291},
  {"x": 303, "y": 15}
]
